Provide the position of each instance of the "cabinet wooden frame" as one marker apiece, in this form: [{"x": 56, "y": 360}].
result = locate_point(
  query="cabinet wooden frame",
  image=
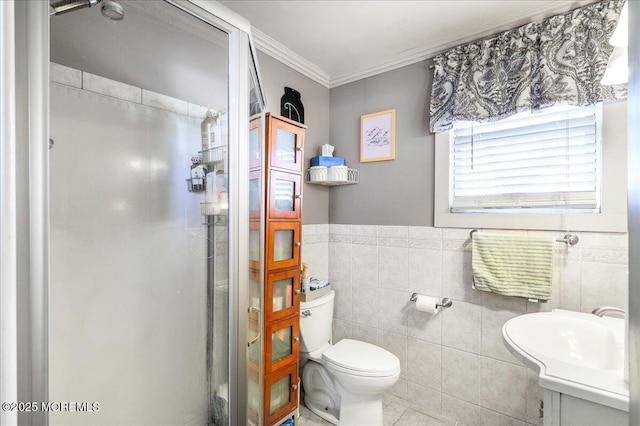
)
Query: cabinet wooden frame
[
  {"x": 292, "y": 372},
  {"x": 296, "y": 241},
  {"x": 275, "y": 123},
  {"x": 293, "y": 322},
  {"x": 274, "y": 177},
  {"x": 272, "y": 277}
]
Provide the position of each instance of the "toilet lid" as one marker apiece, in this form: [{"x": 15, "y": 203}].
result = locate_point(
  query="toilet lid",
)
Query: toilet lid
[{"x": 362, "y": 358}]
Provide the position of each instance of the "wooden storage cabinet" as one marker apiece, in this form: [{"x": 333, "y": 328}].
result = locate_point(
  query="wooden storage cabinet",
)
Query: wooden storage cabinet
[
  {"x": 285, "y": 142},
  {"x": 285, "y": 195},
  {"x": 282, "y": 294},
  {"x": 283, "y": 240},
  {"x": 283, "y": 245},
  {"x": 280, "y": 394}
]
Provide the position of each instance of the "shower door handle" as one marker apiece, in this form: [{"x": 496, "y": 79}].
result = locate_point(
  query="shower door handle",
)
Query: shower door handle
[{"x": 254, "y": 340}]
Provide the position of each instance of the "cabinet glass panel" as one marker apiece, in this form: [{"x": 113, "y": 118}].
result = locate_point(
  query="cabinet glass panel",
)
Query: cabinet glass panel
[
  {"x": 254, "y": 245},
  {"x": 282, "y": 294},
  {"x": 286, "y": 146},
  {"x": 254, "y": 393},
  {"x": 283, "y": 245},
  {"x": 280, "y": 394},
  {"x": 254, "y": 145},
  {"x": 281, "y": 345},
  {"x": 254, "y": 194},
  {"x": 254, "y": 290},
  {"x": 284, "y": 193}
]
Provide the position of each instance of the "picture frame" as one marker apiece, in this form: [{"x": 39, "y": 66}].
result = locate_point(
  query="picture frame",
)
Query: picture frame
[{"x": 378, "y": 136}]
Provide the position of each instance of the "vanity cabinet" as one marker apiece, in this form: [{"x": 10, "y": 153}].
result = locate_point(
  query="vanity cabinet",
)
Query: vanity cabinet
[
  {"x": 561, "y": 409},
  {"x": 280, "y": 331}
]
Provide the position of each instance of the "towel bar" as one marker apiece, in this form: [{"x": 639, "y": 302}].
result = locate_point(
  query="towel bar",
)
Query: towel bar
[{"x": 568, "y": 239}]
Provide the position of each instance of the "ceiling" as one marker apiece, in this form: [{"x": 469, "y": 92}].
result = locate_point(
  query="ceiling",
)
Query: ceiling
[{"x": 336, "y": 42}]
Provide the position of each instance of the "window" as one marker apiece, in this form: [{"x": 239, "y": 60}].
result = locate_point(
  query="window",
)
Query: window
[
  {"x": 539, "y": 162},
  {"x": 559, "y": 169}
]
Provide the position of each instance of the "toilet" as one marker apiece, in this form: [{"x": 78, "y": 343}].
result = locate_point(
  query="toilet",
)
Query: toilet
[{"x": 343, "y": 383}]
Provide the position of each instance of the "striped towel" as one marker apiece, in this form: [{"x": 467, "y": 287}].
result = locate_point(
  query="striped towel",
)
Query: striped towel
[{"x": 513, "y": 265}]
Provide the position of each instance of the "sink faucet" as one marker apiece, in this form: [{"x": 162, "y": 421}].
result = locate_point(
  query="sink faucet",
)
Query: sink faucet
[{"x": 604, "y": 310}]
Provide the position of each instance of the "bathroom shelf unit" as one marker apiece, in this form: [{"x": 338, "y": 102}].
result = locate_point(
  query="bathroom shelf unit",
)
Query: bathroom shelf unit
[
  {"x": 281, "y": 204},
  {"x": 353, "y": 177},
  {"x": 215, "y": 156}
]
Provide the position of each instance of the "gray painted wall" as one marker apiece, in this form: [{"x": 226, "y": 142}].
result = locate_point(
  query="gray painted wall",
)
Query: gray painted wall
[
  {"x": 315, "y": 98},
  {"x": 398, "y": 192}
]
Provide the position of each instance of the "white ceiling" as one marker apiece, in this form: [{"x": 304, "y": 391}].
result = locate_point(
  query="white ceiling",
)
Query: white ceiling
[{"x": 336, "y": 42}]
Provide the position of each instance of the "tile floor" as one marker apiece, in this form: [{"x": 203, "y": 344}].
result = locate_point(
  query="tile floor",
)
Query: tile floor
[{"x": 397, "y": 412}]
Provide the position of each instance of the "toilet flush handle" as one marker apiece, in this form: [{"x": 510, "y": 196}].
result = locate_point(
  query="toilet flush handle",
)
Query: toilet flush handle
[{"x": 306, "y": 313}]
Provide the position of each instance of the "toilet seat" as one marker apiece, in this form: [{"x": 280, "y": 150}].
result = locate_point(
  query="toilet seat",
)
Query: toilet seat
[{"x": 361, "y": 359}]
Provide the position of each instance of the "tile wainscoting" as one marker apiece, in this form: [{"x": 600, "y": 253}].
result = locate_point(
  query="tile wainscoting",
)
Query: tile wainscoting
[{"x": 453, "y": 364}]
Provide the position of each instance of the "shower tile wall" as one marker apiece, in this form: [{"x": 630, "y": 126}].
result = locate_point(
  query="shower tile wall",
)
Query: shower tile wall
[{"x": 454, "y": 363}]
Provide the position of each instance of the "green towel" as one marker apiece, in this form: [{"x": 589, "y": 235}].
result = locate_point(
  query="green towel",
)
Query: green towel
[{"x": 513, "y": 265}]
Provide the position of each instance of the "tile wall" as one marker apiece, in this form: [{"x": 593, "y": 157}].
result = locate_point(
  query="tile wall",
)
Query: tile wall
[{"x": 453, "y": 364}]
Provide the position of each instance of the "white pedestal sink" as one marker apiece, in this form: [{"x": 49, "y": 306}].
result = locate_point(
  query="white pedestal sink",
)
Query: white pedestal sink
[{"x": 579, "y": 358}]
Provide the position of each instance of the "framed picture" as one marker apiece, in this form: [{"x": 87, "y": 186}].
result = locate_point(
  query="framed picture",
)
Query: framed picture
[{"x": 378, "y": 136}]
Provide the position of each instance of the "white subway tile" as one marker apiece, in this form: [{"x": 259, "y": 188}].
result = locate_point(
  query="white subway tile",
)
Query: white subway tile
[
  {"x": 364, "y": 333},
  {"x": 364, "y": 264},
  {"x": 424, "y": 364},
  {"x": 461, "y": 327},
  {"x": 424, "y": 400},
  {"x": 397, "y": 345},
  {"x": 467, "y": 413},
  {"x": 393, "y": 266},
  {"x": 392, "y": 307},
  {"x": 424, "y": 326},
  {"x": 113, "y": 88},
  {"x": 393, "y": 232},
  {"x": 65, "y": 75},
  {"x": 461, "y": 375},
  {"x": 425, "y": 272},
  {"x": 339, "y": 262},
  {"x": 492, "y": 345},
  {"x": 603, "y": 284},
  {"x": 364, "y": 305},
  {"x": 167, "y": 103},
  {"x": 503, "y": 387},
  {"x": 364, "y": 230},
  {"x": 425, "y": 233},
  {"x": 197, "y": 111}
]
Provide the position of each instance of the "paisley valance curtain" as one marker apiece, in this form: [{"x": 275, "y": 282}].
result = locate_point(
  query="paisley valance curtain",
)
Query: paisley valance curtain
[{"x": 560, "y": 60}]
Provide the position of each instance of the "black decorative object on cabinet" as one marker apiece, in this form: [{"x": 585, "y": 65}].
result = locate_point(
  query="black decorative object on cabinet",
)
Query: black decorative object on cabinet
[{"x": 291, "y": 105}]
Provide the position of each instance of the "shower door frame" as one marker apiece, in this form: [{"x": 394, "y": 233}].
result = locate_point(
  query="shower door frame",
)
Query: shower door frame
[{"x": 32, "y": 381}]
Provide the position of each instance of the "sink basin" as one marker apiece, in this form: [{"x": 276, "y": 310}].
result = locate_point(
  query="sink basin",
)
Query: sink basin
[
  {"x": 577, "y": 341},
  {"x": 573, "y": 352}
]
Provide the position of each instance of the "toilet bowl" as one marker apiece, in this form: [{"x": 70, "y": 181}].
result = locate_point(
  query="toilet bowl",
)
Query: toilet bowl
[{"x": 343, "y": 383}]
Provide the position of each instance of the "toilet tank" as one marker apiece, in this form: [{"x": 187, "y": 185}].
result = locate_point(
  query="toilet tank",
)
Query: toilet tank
[{"x": 315, "y": 329}]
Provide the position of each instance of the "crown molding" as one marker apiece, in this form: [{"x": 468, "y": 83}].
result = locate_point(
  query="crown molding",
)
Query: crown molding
[
  {"x": 411, "y": 56},
  {"x": 288, "y": 57}
]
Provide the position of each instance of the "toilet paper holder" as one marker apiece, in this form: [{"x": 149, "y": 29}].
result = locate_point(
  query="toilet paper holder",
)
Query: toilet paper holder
[{"x": 444, "y": 303}]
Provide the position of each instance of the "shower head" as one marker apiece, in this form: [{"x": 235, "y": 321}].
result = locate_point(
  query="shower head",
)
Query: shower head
[
  {"x": 58, "y": 7},
  {"x": 112, "y": 10}
]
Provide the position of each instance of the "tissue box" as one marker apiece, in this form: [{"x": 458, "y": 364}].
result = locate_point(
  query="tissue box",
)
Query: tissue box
[
  {"x": 306, "y": 297},
  {"x": 327, "y": 161}
]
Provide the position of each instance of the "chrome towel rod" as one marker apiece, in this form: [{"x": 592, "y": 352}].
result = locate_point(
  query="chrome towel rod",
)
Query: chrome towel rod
[{"x": 568, "y": 239}]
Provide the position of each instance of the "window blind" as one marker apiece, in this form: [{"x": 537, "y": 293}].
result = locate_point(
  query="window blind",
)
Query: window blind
[{"x": 545, "y": 160}]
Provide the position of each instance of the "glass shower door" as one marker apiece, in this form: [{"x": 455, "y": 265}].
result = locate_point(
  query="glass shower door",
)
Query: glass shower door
[{"x": 139, "y": 285}]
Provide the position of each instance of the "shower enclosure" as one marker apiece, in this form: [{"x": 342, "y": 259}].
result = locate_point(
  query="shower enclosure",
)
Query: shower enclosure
[{"x": 140, "y": 304}]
